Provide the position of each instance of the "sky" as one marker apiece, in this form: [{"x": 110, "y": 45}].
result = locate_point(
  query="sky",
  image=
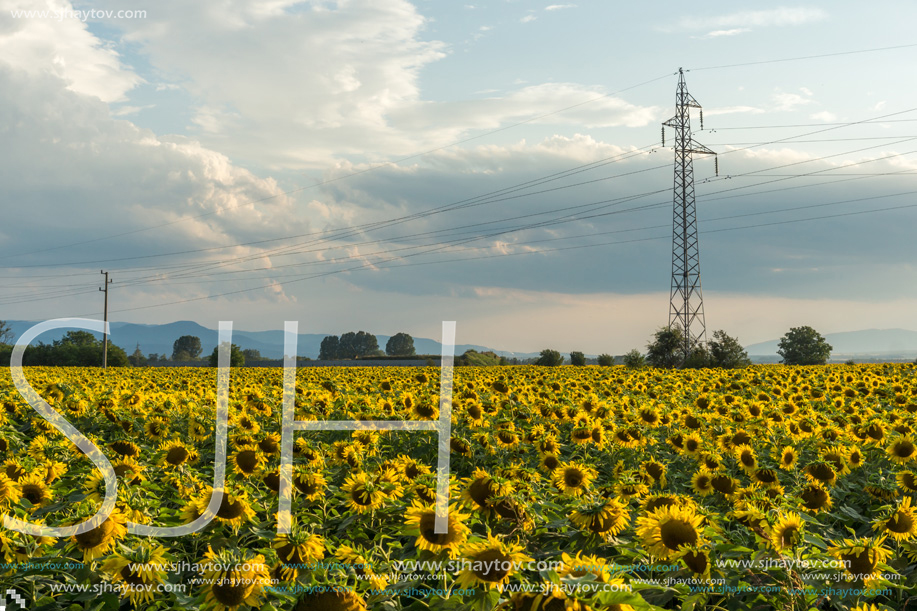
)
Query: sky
[{"x": 387, "y": 165}]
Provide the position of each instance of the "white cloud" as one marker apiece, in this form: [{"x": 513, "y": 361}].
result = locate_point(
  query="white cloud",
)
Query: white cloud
[
  {"x": 728, "y": 110},
  {"x": 64, "y": 48},
  {"x": 559, "y": 7},
  {"x": 732, "y": 32},
  {"x": 528, "y": 19},
  {"x": 824, "y": 116},
  {"x": 777, "y": 17},
  {"x": 789, "y": 101}
]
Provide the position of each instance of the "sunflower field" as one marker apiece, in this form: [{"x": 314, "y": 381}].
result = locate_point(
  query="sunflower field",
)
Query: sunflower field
[{"x": 571, "y": 488}]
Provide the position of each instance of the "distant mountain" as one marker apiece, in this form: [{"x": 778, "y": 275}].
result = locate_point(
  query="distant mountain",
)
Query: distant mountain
[
  {"x": 888, "y": 343},
  {"x": 159, "y": 339}
]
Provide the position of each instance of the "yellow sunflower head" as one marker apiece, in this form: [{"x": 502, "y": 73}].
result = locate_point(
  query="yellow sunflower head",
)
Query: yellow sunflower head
[
  {"x": 786, "y": 533},
  {"x": 489, "y": 563},
  {"x": 573, "y": 478},
  {"x": 421, "y": 521},
  {"x": 665, "y": 532}
]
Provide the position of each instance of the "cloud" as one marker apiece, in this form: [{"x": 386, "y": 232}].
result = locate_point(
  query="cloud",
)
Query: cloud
[
  {"x": 745, "y": 20},
  {"x": 790, "y": 101},
  {"x": 559, "y": 7},
  {"x": 63, "y": 48},
  {"x": 732, "y": 32},
  {"x": 824, "y": 116},
  {"x": 728, "y": 110},
  {"x": 528, "y": 19}
]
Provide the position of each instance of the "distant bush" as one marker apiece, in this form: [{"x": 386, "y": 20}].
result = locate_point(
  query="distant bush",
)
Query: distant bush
[
  {"x": 634, "y": 359},
  {"x": 606, "y": 360}
]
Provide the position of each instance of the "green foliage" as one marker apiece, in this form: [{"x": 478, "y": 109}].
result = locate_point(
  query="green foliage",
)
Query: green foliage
[
  {"x": 550, "y": 358},
  {"x": 804, "y": 346},
  {"x": 606, "y": 360},
  {"x": 186, "y": 348},
  {"x": 6, "y": 333},
  {"x": 354, "y": 345},
  {"x": 634, "y": 359},
  {"x": 698, "y": 359},
  {"x": 726, "y": 352},
  {"x": 253, "y": 356},
  {"x": 473, "y": 358},
  {"x": 330, "y": 348},
  {"x": 75, "y": 349},
  {"x": 137, "y": 359},
  {"x": 666, "y": 351},
  {"x": 577, "y": 358},
  {"x": 400, "y": 344},
  {"x": 236, "y": 358}
]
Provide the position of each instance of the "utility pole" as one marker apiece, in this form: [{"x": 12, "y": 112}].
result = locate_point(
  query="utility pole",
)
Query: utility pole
[
  {"x": 686, "y": 304},
  {"x": 105, "y": 331}
]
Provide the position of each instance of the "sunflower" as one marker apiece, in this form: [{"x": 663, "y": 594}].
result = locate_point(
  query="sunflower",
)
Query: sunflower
[
  {"x": 724, "y": 484},
  {"x": 815, "y": 497},
  {"x": 296, "y": 550},
  {"x": 10, "y": 492},
  {"x": 129, "y": 470},
  {"x": 667, "y": 530},
  {"x": 421, "y": 521},
  {"x": 362, "y": 493},
  {"x": 247, "y": 460},
  {"x": 175, "y": 453},
  {"x": 697, "y": 559},
  {"x": 98, "y": 541},
  {"x": 489, "y": 563},
  {"x": 901, "y": 524},
  {"x": 128, "y": 449},
  {"x": 35, "y": 490},
  {"x": 855, "y": 458},
  {"x": 548, "y": 462},
  {"x": 199, "y": 431},
  {"x": 232, "y": 581},
  {"x": 572, "y": 478},
  {"x": 481, "y": 487},
  {"x": 310, "y": 484},
  {"x": 907, "y": 480},
  {"x": 410, "y": 469},
  {"x": 269, "y": 444},
  {"x": 861, "y": 557},
  {"x": 605, "y": 519},
  {"x": 156, "y": 429},
  {"x": 655, "y": 470},
  {"x": 786, "y": 532},
  {"x": 902, "y": 449},
  {"x": 356, "y": 558},
  {"x": 702, "y": 482},
  {"x": 821, "y": 472},
  {"x": 745, "y": 455},
  {"x": 136, "y": 570},
  {"x": 234, "y": 508}
]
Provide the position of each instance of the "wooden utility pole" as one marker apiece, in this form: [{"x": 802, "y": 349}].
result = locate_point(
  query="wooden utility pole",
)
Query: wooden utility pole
[{"x": 105, "y": 331}]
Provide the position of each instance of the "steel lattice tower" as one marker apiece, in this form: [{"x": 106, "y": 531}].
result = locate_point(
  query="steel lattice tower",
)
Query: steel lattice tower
[{"x": 686, "y": 309}]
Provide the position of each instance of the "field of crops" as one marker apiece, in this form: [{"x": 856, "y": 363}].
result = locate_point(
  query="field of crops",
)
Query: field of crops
[{"x": 571, "y": 488}]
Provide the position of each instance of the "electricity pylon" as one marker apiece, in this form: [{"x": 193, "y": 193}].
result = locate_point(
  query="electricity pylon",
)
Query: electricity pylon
[{"x": 686, "y": 305}]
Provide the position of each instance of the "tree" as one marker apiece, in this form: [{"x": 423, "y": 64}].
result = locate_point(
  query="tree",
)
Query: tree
[
  {"x": 634, "y": 359},
  {"x": 727, "y": 352},
  {"x": 137, "y": 359},
  {"x": 252, "y": 355},
  {"x": 606, "y": 360},
  {"x": 6, "y": 333},
  {"x": 666, "y": 349},
  {"x": 577, "y": 358},
  {"x": 331, "y": 348},
  {"x": 550, "y": 358},
  {"x": 400, "y": 344},
  {"x": 354, "y": 345},
  {"x": 190, "y": 345},
  {"x": 236, "y": 358},
  {"x": 698, "y": 359},
  {"x": 804, "y": 346}
]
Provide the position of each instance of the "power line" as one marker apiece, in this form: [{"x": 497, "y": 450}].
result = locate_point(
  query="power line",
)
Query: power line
[{"x": 800, "y": 58}]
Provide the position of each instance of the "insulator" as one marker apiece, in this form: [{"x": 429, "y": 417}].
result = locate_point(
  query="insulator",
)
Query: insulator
[
  {"x": 702, "y": 119},
  {"x": 716, "y": 165},
  {"x": 663, "y": 135}
]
